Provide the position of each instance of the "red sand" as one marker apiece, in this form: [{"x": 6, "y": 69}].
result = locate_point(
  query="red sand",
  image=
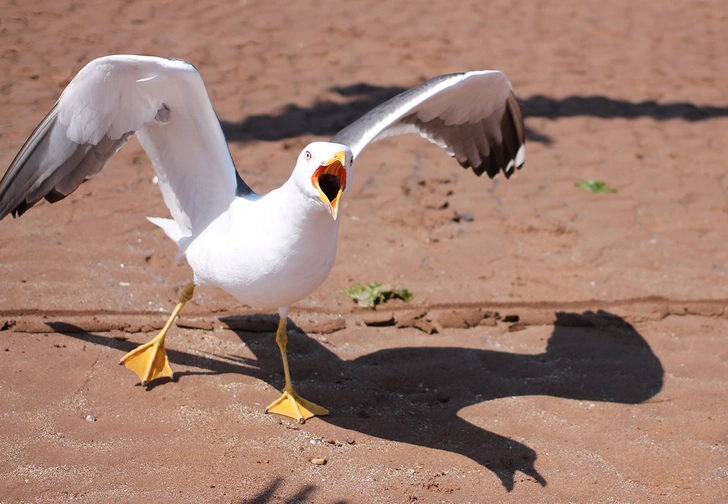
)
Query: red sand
[{"x": 610, "y": 387}]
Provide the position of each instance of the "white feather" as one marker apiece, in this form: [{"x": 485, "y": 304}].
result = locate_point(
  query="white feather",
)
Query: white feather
[{"x": 116, "y": 95}]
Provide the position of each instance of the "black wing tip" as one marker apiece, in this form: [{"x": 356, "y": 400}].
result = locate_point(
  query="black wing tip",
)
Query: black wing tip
[
  {"x": 493, "y": 168},
  {"x": 495, "y": 153},
  {"x": 52, "y": 197},
  {"x": 19, "y": 210},
  {"x": 465, "y": 164},
  {"x": 513, "y": 169}
]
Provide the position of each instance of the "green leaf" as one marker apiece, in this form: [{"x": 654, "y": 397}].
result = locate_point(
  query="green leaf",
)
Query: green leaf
[
  {"x": 595, "y": 187},
  {"x": 368, "y": 296}
]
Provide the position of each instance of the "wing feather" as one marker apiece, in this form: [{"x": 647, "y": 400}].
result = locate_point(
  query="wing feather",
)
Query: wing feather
[
  {"x": 474, "y": 116},
  {"x": 165, "y": 103}
]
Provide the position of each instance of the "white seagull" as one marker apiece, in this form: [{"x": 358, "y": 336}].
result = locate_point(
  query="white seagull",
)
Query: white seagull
[{"x": 268, "y": 251}]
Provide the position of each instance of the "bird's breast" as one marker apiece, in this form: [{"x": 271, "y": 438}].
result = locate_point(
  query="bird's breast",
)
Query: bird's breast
[{"x": 265, "y": 259}]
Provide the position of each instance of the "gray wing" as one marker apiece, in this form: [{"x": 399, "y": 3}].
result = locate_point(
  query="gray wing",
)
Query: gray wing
[
  {"x": 60, "y": 166},
  {"x": 474, "y": 116},
  {"x": 165, "y": 103},
  {"x": 21, "y": 188}
]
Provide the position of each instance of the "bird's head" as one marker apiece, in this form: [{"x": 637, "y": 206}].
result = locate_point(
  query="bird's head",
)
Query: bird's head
[{"x": 323, "y": 172}]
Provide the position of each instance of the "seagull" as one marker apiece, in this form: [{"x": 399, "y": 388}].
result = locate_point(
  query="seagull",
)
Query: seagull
[{"x": 268, "y": 251}]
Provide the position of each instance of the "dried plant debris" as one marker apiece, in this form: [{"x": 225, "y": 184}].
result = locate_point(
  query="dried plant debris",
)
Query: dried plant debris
[
  {"x": 369, "y": 296},
  {"x": 595, "y": 187}
]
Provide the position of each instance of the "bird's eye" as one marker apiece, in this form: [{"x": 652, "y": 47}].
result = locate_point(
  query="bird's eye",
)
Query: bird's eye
[{"x": 308, "y": 156}]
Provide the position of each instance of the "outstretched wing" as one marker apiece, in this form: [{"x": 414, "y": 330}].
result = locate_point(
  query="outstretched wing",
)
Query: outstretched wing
[
  {"x": 165, "y": 103},
  {"x": 474, "y": 116}
]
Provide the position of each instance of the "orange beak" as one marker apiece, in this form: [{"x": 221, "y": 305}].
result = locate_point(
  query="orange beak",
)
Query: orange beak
[{"x": 329, "y": 179}]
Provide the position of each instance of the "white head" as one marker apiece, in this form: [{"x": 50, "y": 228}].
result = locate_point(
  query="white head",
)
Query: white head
[{"x": 323, "y": 172}]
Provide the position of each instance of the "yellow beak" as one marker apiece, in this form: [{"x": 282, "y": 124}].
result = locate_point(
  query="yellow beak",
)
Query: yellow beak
[{"x": 329, "y": 179}]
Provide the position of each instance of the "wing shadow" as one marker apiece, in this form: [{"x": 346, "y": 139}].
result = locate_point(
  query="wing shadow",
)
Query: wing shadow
[
  {"x": 609, "y": 108},
  {"x": 326, "y": 118},
  {"x": 413, "y": 394}
]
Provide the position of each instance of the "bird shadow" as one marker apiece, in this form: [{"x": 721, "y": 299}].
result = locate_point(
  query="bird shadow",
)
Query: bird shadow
[
  {"x": 327, "y": 117},
  {"x": 413, "y": 394}
]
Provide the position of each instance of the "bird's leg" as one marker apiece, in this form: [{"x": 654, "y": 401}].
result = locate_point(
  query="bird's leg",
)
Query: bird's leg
[
  {"x": 290, "y": 404},
  {"x": 149, "y": 360}
]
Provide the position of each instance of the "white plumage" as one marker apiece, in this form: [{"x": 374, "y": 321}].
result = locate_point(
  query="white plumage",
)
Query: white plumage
[{"x": 273, "y": 250}]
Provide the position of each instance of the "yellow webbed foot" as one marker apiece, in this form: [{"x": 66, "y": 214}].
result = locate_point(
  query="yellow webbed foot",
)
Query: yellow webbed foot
[
  {"x": 149, "y": 361},
  {"x": 292, "y": 405}
]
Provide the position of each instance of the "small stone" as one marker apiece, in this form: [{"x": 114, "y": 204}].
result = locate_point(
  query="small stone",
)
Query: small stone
[
  {"x": 472, "y": 316},
  {"x": 408, "y": 319},
  {"x": 90, "y": 418},
  {"x": 378, "y": 319},
  {"x": 425, "y": 326},
  {"x": 462, "y": 217},
  {"x": 350, "y": 440},
  {"x": 318, "y": 461},
  {"x": 451, "y": 320}
]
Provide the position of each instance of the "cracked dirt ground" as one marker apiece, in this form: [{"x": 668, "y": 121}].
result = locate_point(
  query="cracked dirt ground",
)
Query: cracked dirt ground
[{"x": 604, "y": 376}]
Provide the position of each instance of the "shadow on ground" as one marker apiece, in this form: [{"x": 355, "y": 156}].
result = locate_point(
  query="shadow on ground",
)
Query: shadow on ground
[
  {"x": 326, "y": 118},
  {"x": 269, "y": 494},
  {"x": 412, "y": 395}
]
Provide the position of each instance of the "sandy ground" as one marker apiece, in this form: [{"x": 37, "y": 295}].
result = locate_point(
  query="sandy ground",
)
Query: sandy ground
[{"x": 604, "y": 377}]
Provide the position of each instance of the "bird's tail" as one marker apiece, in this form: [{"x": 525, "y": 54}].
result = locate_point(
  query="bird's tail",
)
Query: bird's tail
[{"x": 171, "y": 229}]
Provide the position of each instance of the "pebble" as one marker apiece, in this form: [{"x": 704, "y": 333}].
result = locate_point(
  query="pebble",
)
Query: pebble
[
  {"x": 379, "y": 319},
  {"x": 318, "y": 461},
  {"x": 90, "y": 418}
]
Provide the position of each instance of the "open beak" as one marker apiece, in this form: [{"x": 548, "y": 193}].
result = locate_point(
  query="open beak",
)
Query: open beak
[{"x": 330, "y": 181}]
